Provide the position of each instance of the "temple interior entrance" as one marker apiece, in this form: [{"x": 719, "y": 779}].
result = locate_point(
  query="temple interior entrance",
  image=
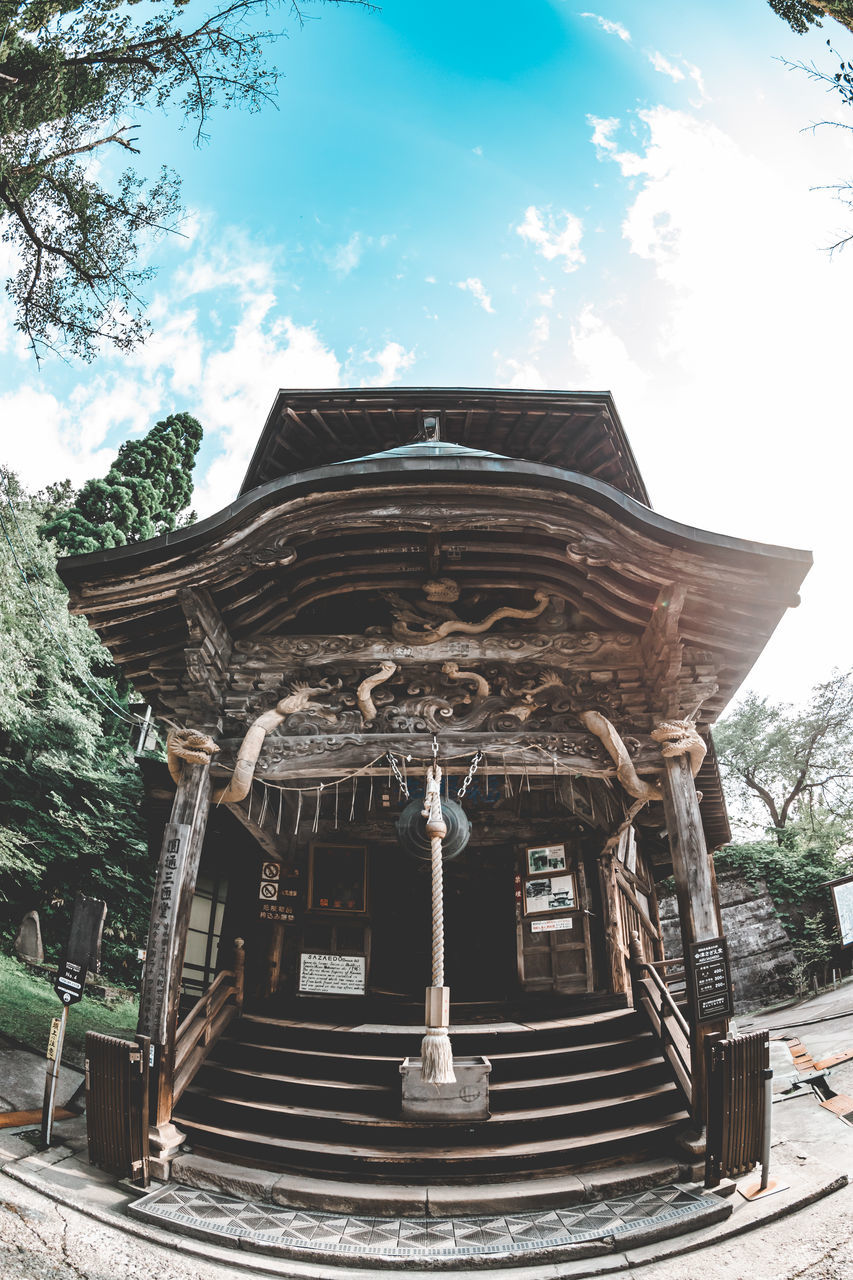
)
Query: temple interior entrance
[{"x": 479, "y": 924}]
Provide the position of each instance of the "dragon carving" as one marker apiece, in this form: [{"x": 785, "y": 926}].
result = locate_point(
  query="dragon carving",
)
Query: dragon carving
[{"x": 432, "y": 619}]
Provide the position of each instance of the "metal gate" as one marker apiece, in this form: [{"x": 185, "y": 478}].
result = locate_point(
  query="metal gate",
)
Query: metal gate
[
  {"x": 738, "y": 1070},
  {"x": 117, "y": 1105}
]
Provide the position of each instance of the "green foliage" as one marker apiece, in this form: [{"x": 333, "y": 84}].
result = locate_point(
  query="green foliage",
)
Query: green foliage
[
  {"x": 28, "y": 1002},
  {"x": 144, "y": 493},
  {"x": 814, "y": 948},
  {"x": 799, "y": 14},
  {"x": 73, "y": 78},
  {"x": 793, "y": 765},
  {"x": 69, "y": 790}
]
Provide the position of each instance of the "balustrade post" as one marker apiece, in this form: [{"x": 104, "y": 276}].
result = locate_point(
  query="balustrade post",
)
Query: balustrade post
[
  {"x": 239, "y": 966},
  {"x": 635, "y": 949}
]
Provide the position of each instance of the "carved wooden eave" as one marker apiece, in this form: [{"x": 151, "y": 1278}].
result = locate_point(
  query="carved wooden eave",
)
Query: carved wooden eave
[
  {"x": 357, "y": 530},
  {"x": 626, "y": 612}
]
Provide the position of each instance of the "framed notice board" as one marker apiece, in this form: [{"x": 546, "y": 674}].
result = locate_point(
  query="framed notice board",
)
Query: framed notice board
[
  {"x": 842, "y": 900},
  {"x": 712, "y": 983}
]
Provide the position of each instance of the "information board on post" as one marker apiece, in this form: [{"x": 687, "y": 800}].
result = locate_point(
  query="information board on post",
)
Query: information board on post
[
  {"x": 83, "y": 949},
  {"x": 712, "y": 983}
]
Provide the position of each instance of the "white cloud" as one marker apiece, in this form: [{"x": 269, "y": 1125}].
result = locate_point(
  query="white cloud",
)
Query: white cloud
[
  {"x": 393, "y": 360},
  {"x": 344, "y": 258},
  {"x": 612, "y": 28},
  {"x": 696, "y": 76},
  {"x": 546, "y": 299},
  {"x": 738, "y": 328},
  {"x": 478, "y": 151},
  {"x": 603, "y": 359},
  {"x": 665, "y": 67},
  {"x": 475, "y": 286},
  {"x": 225, "y": 373},
  {"x": 541, "y": 330},
  {"x": 524, "y": 375},
  {"x": 602, "y": 133},
  {"x": 42, "y": 428},
  {"x": 238, "y": 385},
  {"x": 543, "y": 231}
]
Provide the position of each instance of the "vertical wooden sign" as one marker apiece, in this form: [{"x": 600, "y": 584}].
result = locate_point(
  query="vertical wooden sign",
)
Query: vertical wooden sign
[{"x": 153, "y": 1006}]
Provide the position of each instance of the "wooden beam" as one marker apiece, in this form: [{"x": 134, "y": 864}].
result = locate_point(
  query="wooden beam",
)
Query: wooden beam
[
  {"x": 697, "y": 901},
  {"x": 326, "y": 755},
  {"x": 616, "y": 947},
  {"x": 662, "y": 650}
]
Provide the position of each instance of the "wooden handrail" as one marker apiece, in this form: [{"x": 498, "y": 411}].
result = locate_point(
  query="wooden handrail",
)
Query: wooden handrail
[
  {"x": 202, "y": 1003},
  {"x": 206, "y": 1020},
  {"x": 652, "y": 995},
  {"x": 666, "y": 996}
]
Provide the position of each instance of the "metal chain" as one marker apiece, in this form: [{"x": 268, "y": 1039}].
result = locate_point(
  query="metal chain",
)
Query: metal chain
[
  {"x": 395, "y": 769},
  {"x": 469, "y": 777}
]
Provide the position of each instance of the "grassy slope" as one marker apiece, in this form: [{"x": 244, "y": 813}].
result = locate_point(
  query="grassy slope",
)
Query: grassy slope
[{"x": 28, "y": 1002}]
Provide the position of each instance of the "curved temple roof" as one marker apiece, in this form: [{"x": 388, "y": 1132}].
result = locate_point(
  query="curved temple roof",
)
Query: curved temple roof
[
  {"x": 576, "y": 430},
  {"x": 311, "y": 551}
]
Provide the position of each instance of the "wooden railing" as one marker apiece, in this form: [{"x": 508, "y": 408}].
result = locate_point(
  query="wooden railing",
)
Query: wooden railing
[
  {"x": 637, "y": 900},
  {"x": 652, "y": 995},
  {"x": 206, "y": 1020}
]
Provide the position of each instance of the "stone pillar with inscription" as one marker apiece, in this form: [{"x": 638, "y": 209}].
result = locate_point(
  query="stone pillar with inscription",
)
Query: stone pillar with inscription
[
  {"x": 697, "y": 902},
  {"x": 173, "y": 892}
]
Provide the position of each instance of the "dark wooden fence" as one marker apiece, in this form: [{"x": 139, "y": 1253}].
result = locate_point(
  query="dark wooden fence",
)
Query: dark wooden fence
[
  {"x": 738, "y": 1068},
  {"x": 117, "y": 1105}
]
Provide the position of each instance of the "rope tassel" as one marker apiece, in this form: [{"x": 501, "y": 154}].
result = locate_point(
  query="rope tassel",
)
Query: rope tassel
[{"x": 436, "y": 1050}]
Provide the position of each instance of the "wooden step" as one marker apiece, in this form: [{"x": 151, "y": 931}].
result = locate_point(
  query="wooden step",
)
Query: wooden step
[
  {"x": 526, "y": 1116},
  {"x": 606, "y": 1075},
  {"x": 564, "y": 1152}
]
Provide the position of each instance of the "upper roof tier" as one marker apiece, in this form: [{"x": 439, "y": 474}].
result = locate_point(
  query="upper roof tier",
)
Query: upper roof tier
[{"x": 577, "y": 431}]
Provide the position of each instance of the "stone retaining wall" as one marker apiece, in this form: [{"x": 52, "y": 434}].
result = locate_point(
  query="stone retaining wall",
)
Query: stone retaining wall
[{"x": 759, "y": 946}]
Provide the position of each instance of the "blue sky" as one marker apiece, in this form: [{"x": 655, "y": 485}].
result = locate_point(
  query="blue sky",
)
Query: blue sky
[{"x": 529, "y": 195}]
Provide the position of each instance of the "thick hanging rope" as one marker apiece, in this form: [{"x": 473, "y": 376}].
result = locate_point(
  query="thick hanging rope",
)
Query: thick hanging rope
[{"x": 436, "y": 1051}]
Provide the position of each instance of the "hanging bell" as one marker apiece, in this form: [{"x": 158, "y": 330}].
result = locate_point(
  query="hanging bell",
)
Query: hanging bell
[{"x": 411, "y": 830}]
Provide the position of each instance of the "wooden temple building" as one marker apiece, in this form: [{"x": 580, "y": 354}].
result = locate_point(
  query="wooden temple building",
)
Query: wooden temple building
[{"x": 410, "y": 577}]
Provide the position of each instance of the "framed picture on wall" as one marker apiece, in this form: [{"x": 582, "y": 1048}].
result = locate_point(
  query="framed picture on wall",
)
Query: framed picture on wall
[
  {"x": 549, "y": 893},
  {"x": 337, "y": 878},
  {"x": 546, "y": 857}
]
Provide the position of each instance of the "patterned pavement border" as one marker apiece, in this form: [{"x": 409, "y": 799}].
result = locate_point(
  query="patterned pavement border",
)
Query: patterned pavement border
[{"x": 667, "y": 1209}]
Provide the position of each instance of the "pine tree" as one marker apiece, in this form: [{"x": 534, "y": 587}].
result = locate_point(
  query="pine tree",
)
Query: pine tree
[{"x": 144, "y": 493}]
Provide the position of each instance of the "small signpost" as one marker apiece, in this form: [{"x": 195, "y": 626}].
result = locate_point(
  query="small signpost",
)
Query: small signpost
[
  {"x": 82, "y": 952},
  {"x": 712, "y": 983}
]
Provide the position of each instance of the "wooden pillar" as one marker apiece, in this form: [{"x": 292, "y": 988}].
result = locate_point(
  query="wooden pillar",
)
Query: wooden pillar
[
  {"x": 613, "y": 939},
  {"x": 164, "y": 960},
  {"x": 274, "y": 950},
  {"x": 697, "y": 900}
]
